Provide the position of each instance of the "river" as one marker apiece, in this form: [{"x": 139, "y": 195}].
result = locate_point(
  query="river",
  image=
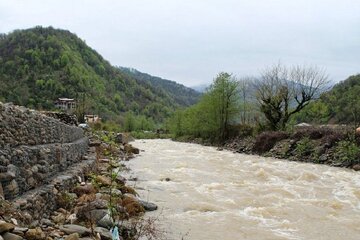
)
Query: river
[{"x": 223, "y": 195}]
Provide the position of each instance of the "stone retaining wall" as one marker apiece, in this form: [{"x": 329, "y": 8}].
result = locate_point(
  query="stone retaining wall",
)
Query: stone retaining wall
[
  {"x": 22, "y": 126},
  {"x": 34, "y": 148},
  {"x": 39, "y": 203}
]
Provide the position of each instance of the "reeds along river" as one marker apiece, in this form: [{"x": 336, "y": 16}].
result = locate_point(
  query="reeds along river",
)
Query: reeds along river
[{"x": 223, "y": 195}]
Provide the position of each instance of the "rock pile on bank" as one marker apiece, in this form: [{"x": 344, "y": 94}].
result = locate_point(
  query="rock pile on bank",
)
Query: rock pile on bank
[
  {"x": 100, "y": 201},
  {"x": 62, "y": 117}
]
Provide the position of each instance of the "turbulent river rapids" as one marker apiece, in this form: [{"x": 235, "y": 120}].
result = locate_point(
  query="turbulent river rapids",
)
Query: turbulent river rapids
[{"x": 214, "y": 194}]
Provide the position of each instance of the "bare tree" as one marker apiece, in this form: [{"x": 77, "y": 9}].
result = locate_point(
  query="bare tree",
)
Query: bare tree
[{"x": 283, "y": 91}]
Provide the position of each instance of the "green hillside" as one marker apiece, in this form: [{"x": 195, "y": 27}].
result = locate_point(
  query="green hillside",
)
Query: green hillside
[
  {"x": 178, "y": 92},
  {"x": 340, "y": 105},
  {"x": 39, "y": 65}
]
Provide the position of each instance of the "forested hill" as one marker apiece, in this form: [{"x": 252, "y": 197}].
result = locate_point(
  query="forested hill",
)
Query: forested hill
[
  {"x": 180, "y": 94},
  {"x": 39, "y": 65},
  {"x": 339, "y": 105},
  {"x": 343, "y": 100}
]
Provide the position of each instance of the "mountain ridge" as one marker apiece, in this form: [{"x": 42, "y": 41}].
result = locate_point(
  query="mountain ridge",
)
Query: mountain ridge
[
  {"x": 40, "y": 64},
  {"x": 181, "y": 93}
]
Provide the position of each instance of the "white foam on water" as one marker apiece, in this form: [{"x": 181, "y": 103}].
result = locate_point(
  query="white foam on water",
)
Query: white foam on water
[{"x": 223, "y": 195}]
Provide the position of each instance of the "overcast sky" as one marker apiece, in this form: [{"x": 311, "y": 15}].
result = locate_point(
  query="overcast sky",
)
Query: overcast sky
[{"x": 190, "y": 41}]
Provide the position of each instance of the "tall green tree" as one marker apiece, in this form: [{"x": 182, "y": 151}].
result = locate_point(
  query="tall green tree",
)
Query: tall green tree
[
  {"x": 224, "y": 99},
  {"x": 211, "y": 117},
  {"x": 130, "y": 122}
]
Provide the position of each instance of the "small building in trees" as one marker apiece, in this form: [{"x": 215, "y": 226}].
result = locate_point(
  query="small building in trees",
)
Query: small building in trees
[{"x": 65, "y": 104}]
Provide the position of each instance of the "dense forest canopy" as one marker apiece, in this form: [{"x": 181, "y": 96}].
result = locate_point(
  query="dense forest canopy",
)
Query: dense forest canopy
[
  {"x": 39, "y": 65},
  {"x": 181, "y": 94}
]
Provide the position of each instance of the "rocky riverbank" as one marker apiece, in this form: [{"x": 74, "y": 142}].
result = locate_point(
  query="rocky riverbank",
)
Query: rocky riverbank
[
  {"x": 335, "y": 147},
  {"x": 100, "y": 205}
]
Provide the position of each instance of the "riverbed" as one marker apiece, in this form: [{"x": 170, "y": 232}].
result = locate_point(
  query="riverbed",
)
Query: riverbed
[{"x": 203, "y": 193}]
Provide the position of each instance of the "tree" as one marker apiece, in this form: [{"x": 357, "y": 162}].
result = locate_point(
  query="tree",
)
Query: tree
[
  {"x": 130, "y": 123},
  {"x": 224, "y": 96},
  {"x": 211, "y": 117},
  {"x": 284, "y": 91},
  {"x": 316, "y": 112}
]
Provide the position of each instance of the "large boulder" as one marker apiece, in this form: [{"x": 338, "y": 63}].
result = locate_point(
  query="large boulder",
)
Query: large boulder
[
  {"x": 72, "y": 228},
  {"x": 121, "y": 138},
  {"x": 85, "y": 189},
  {"x": 6, "y": 227},
  {"x": 92, "y": 210},
  {"x": 356, "y": 167},
  {"x": 35, "y": 234},
  {"x": 104, "y": 233},
  {"x": 132, "y": 206},
  {"x": 11, "y": 236},
  {"x": 148, "y": 206},
  {"x": 130, "y": 149},
  {"x": 103, "y": 180}
]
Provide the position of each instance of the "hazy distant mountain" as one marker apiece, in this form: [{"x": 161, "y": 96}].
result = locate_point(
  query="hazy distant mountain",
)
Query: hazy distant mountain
[{"x": 177, "y": 92}]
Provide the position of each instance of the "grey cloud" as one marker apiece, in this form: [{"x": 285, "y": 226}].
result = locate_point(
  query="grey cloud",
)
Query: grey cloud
[{"x": 190, "y": 41}]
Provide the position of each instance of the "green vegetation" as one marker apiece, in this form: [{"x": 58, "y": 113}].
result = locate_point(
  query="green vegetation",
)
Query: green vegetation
[
  {"x": 211, "y": 117},
  {"x": 150, "y": 135},
  {"x": 138, "y": 123},
  {"x": 347, "y": 153},
  {"x": 339, "y": 105},
  {"x": 177, "y": 92},
  {"x": 39, "y": 65},
  {"x": 304, "y": 147},
  {"x": 227, "y": 111}
]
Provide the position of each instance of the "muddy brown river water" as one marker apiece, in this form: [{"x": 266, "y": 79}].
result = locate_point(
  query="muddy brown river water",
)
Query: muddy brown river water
[{"x": 223, "y": 195}]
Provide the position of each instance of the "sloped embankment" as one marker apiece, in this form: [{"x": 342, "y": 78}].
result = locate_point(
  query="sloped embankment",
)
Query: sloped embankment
[
  {"x": 334, "y": 146},
  {"x": 56, "y": 184},
  {"x": 34, "y": 148}
]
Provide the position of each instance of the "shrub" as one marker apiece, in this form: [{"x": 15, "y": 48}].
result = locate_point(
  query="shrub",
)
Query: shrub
[
  {"x": 150, "y": 135},
  {"x": 311, "y": 133},
  {"x": 96, "y": 126},
  {"x": 347, "y": 153},
  {"x": 267, "y": 140},
  {"x": 304, "y": 147},
  {"x": 332, "y": 138},
  {"x": 65, "y": 200},
  {"x": 320, "y": 132},
  {"x": 106, "y": 126},
  {"x": 329, "y": 136}
]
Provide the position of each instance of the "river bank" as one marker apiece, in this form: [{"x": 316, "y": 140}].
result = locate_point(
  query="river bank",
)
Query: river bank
[{"x": 337, "y": 147}]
